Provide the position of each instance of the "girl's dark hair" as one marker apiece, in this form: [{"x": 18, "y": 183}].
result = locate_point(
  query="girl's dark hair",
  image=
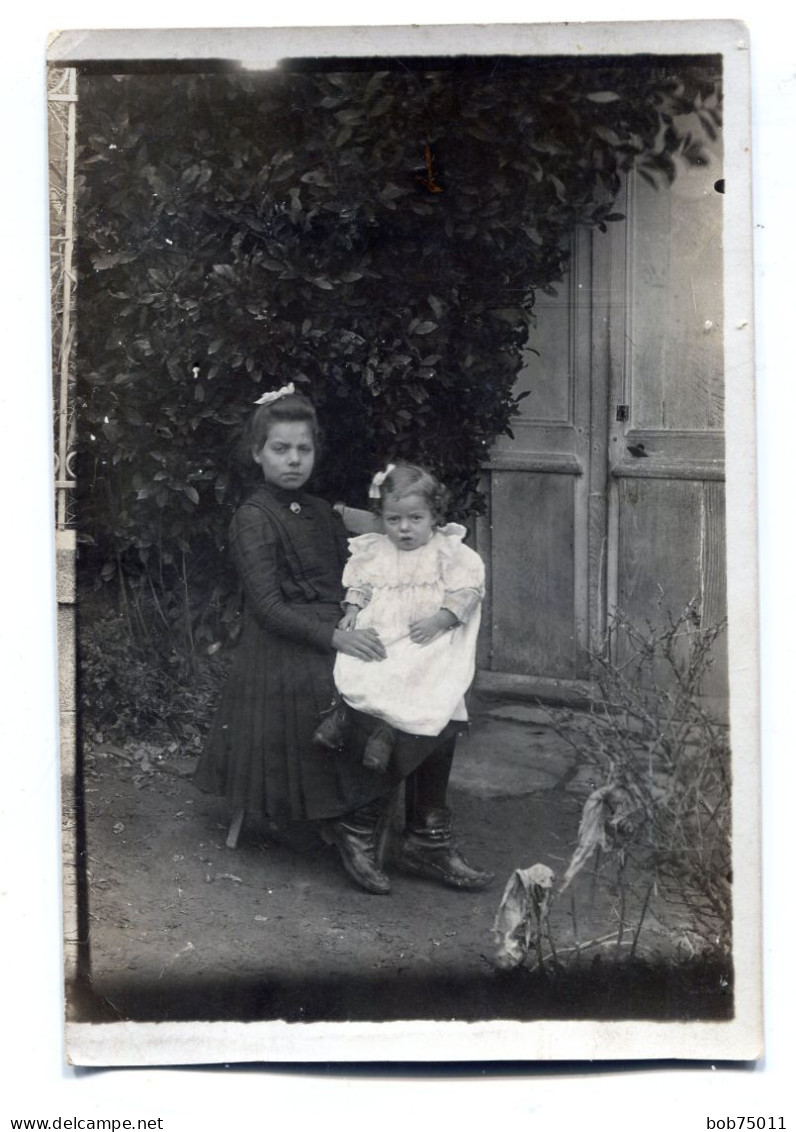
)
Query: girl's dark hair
[
  {"x": 410, "y": 479},
  {"x": 293, "y": 407}
]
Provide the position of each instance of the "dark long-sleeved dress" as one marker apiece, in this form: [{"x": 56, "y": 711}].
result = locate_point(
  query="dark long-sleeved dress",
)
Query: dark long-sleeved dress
[{"x": 289, "y": 548}]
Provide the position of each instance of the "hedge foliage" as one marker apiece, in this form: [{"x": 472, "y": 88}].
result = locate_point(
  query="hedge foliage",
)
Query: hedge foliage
[{"x": 375, "y": 235}]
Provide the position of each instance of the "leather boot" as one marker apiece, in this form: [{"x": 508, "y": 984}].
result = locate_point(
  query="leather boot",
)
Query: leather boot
[
  {"x": 379, "y": 748},
  {"x": 427, "y": 850},
  {"x": 332, "y": 731},
  {"x": 356, "y": 837}
]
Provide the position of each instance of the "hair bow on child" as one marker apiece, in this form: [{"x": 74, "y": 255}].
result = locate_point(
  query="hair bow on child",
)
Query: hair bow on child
[
  {"x": 379, "y": 478},
  {"x": 268, "y": 398}
]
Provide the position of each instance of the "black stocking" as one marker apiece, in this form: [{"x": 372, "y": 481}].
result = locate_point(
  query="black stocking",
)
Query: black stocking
[{"x": 427, "y": 786}]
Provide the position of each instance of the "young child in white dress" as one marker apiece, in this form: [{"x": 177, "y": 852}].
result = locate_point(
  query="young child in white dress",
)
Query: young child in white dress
[{"x": 420, "y": 588}]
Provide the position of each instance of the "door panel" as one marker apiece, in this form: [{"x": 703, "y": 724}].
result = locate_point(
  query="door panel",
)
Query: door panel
[
  {"x": 660, "y": 539},
  {"x": 671, "y": 554},
  {"x": 675, "y": 317},
  {"x": 549, "y": 376},
  {"x": 533, "y": 576}
]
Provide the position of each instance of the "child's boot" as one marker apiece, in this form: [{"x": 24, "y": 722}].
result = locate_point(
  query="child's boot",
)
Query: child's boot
[
  {"x": 379, "y": 748},
  {"x": 427, "y": 850},
  {"x": 333, "y": 728}
]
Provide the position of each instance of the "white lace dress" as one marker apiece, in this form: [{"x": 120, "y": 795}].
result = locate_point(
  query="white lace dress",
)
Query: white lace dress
[{"x": 418, "y": 688}]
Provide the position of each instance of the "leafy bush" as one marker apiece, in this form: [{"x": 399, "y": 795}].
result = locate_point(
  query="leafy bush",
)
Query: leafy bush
[
  {"x": 376, "y": 236},
  {"x": 127, "y": 692}
]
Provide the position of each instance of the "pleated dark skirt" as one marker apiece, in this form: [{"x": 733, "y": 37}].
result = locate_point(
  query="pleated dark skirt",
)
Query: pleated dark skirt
[{"x": 259, "y": 754}]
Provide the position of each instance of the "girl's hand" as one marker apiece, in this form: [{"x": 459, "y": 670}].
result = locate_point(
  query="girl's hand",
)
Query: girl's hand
[
  {"x": 349, "y": 619},
  {"x": 364, "y": 644},
  {"x": 428, "y": 628}
]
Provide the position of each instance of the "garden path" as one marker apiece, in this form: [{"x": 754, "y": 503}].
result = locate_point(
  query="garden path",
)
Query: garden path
[{"x": 181, "y": 926}]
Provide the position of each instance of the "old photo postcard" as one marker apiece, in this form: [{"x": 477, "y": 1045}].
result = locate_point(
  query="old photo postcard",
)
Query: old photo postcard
[{"x": 406, "y": 543}]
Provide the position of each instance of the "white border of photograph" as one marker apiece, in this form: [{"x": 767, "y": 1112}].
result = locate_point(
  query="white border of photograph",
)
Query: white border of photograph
[{"x": 616, "y": 1096}]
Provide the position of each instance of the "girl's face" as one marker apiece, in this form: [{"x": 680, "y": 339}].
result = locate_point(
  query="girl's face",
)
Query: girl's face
[
  {"x": 288, "y": 455},
  {"x": 408, "y": 521}
]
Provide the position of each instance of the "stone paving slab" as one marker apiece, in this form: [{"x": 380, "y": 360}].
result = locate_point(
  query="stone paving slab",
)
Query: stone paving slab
[
  {"x": 504, "y": 757},
  {"x": 517, "y": 711}
]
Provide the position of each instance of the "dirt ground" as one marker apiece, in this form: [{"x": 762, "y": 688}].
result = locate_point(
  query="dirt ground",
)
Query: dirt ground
[{"x": 181, "y": 926}]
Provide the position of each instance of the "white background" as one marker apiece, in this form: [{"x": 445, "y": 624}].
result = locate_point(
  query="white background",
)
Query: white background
[{"x": 35, "y": 1080}]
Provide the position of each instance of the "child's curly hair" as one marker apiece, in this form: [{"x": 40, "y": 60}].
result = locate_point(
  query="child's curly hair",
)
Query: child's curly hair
[{"x": 410, "y": 479}]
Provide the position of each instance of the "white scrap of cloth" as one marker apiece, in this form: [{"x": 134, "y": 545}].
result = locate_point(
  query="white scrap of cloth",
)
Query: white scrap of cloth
[
  {"x": 526, "y": 896},
  {"x": 417, "y": 688}
]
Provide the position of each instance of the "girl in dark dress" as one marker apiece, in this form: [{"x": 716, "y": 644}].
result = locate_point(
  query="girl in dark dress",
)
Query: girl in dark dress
[{"x": 290, "y": 548}]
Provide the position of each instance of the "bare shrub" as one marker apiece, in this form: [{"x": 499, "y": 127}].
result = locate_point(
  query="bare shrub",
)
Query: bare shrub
[
  {"x": 656, "y": 824},
  {"x": 662, "y": 760}
]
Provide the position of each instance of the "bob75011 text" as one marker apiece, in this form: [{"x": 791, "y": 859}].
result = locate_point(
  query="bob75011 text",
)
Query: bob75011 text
[{"x": 736, "y": 1123}]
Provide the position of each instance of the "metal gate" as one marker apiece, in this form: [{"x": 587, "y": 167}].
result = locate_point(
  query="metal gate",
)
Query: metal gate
[{"x": 61, "y": 121}]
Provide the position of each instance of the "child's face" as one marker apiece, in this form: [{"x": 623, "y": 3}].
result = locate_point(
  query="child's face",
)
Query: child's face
[
  {"x": 288, "y": 455},
  {"x": 408, "y": 521}
]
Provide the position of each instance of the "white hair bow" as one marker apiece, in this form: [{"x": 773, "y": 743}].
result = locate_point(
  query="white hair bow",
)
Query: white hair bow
[
  {"x": 379, "y": 478},
  {"x": 268, "y": 398}
]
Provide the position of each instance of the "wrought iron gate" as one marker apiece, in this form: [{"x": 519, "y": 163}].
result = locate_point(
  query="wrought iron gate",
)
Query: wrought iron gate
[{"x": 62, "y": 121}]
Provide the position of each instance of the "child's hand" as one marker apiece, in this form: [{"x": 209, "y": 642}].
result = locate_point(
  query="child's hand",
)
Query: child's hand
[
  {"x": 425, "y": 630},
  {"x": 349, "y": 619}
]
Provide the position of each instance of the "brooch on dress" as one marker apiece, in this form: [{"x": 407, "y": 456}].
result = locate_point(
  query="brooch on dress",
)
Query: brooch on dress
[{"x": 295, "y": 508}]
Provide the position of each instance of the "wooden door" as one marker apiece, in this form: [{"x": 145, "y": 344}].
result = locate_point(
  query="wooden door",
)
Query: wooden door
[{"x": 611, "y": 492}]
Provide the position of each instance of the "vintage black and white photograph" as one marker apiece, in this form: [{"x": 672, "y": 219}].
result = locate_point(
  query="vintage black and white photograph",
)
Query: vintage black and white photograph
[{"x": 400, "y": 385}]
